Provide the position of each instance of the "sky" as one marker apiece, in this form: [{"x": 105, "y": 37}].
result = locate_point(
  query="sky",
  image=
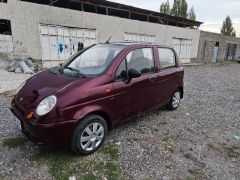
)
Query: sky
[{"x": 211, "y": 12}]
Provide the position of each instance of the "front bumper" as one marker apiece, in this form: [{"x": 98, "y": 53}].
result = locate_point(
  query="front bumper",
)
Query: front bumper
[{"x": 50, "y": 134}]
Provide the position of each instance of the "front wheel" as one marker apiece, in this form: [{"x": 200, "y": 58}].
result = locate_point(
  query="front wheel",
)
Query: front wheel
[
  {"x": 175, "y": 100},
  {"x": 89, "y": 135}
]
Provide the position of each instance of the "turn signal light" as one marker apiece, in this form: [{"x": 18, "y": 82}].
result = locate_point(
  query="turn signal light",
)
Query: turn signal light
[
  {"x": 108, "y": 90},
  {"x": 30, "y": 115}
]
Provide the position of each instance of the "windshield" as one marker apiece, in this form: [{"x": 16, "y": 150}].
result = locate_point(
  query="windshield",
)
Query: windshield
[{"x": 93, "y": 61}]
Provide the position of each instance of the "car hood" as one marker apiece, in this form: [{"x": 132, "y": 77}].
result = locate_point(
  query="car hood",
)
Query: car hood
[{"x": 42, "y": 85}]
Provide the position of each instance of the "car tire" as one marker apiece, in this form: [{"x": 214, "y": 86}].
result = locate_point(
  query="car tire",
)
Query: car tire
[
  {"x": 89, "y": 135},
  {"x": 175, "y": 100}
]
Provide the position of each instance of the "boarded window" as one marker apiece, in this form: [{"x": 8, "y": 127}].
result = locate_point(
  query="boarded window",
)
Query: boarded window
[{"x": 134, "y": 37}]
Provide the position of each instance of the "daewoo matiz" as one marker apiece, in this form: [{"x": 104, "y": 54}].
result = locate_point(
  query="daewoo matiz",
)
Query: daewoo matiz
[{"x": 77, "y": 103}]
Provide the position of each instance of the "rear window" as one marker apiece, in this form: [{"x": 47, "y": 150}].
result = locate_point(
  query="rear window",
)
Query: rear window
[{"x": 167, "y": 58}]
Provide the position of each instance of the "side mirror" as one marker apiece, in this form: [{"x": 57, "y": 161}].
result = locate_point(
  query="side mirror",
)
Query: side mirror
[{"x": 133, "y": 73}]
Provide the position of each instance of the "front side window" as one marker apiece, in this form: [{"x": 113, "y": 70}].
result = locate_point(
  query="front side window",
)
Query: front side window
[
  {"x": 122, "y": 71},
  {"x": 139, "y": 59},
  {"x": 167, "y": 58},
  {"x": 93, "y": 61}
]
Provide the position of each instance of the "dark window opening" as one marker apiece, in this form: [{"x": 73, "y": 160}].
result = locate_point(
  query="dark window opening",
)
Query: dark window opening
[
  {"x": 119, "y": 13},
  {"x": 73, "y": 5},
  {"x": 89, "y": 8},
  {"x": 39, "y": 1},
  {"x": 217, "y": 44},
  {"x": 4, "y": 1},
  {"x": 5, "y": 27},
  {"x": 154, "y": 19},
  {"x": 101, "y": 10},
  {"x": 139, "y": 17}
]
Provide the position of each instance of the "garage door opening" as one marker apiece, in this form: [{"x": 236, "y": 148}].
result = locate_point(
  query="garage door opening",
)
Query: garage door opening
[
  {"x": 230, "y": 51},
  {"x": 6, "y": 40}
]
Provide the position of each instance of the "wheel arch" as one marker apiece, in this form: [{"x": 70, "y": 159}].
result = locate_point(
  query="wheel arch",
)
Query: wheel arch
[
  {"x": 182, "y": 91},
  {"x": 104, "y": 115}
]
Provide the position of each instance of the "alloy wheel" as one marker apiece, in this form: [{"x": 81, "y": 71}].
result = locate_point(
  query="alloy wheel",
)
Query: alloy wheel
[
  {"x": 176, "y": 99},
  {"x": 92, "y": 136}
]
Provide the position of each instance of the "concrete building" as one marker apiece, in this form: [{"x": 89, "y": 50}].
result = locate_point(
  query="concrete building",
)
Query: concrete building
[
  {"x": 216, "y": 48},
  {"x": 53, "y": 34}
]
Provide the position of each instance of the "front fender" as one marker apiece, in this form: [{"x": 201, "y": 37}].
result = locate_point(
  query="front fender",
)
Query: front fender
[{"x": 79, "y": 112}]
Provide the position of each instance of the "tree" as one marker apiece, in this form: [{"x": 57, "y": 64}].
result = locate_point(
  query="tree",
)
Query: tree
[
  {"x": 175, "y": 8},
  {"x": 183, "y": 8},
  {"x": 191, "y": 14},
  {"x": 180, "y": 8},
  {"x": 165, "y": 7},
  {"x": 227, "y": 27}
]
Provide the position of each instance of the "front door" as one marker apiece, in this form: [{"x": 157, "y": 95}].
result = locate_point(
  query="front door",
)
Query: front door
[{"x": 139, "y": 94}]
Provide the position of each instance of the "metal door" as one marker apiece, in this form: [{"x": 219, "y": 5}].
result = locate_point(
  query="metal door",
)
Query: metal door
[
  {"x": 183, "y": 48},
  {"x": 59, "y": 43},
  {"x": 6, "y": 43}
]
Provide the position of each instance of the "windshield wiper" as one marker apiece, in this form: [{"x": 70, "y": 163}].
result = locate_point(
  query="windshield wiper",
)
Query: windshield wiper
[{"x": 76, "y": 71}]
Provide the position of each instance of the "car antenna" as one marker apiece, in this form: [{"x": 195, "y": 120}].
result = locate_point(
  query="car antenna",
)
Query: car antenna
[{"x": 114, "y": 31}]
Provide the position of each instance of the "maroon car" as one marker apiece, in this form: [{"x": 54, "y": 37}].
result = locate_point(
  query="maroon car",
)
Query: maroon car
[{"x": 78, "y": 102}]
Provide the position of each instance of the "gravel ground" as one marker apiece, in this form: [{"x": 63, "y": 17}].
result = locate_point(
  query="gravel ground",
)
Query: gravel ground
[{"x": 194, "y": 142}]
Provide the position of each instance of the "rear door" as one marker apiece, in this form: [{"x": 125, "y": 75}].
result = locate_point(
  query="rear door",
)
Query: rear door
[{"x": 168, "y": 77}]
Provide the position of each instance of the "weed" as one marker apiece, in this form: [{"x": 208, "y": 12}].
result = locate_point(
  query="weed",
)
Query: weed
[
  {"x": 112, "y": 151},
  {"x": 14, "y": 142},
  {"x": 63, "y": 164},
  {"x": 233, "y": 152}
]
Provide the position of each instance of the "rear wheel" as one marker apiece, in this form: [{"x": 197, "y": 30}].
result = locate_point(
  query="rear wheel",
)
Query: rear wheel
[
  {"x": 89, "y": 135},
  {"x": 175, "y": 100}
]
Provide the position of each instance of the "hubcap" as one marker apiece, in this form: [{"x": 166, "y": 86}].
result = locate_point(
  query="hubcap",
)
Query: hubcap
[
  {"x": 176, "y": 99},
  {"x": 92, "y": 136}
]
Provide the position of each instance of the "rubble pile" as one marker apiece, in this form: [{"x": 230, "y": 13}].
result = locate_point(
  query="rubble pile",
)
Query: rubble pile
[{"x": 24, "y": 65}]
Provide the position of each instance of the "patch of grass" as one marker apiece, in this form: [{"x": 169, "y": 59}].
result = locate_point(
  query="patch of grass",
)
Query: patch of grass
[
  {"x": 233, "y": 152},
  {"x": 14, "y": 142},
  {"x": 195, "y": 174},
  {"x": 60, "y": 163},
  {"x": 110, "y": 170},
  {"x": 64, "y": 164},
  {"x": 112, "y": 151}
]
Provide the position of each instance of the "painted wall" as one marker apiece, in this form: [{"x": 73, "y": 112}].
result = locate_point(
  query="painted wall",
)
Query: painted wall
[{"x": 25, "y": 19}]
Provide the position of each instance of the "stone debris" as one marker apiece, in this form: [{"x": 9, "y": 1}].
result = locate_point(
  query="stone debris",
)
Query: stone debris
[{"x": 23, "y": 65}]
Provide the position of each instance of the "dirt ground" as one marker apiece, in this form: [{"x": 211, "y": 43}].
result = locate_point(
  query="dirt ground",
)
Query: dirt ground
[
  {"x": 200, "y": 140},
  {"x": 8, "y": 80}
]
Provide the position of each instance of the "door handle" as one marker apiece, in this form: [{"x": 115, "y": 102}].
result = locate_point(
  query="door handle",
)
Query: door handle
[{"x": 153, "y": 78}]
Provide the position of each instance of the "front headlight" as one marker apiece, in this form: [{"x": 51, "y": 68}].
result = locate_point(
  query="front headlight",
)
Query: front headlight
[
  {"x": 46, "y": 105},
  {"x": 20, "y": 87}
]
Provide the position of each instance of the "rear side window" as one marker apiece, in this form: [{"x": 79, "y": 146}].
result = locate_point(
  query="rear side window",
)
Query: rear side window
[
  {"x": 141, "y": 59},
  {"x": 167, "y": 58}
]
